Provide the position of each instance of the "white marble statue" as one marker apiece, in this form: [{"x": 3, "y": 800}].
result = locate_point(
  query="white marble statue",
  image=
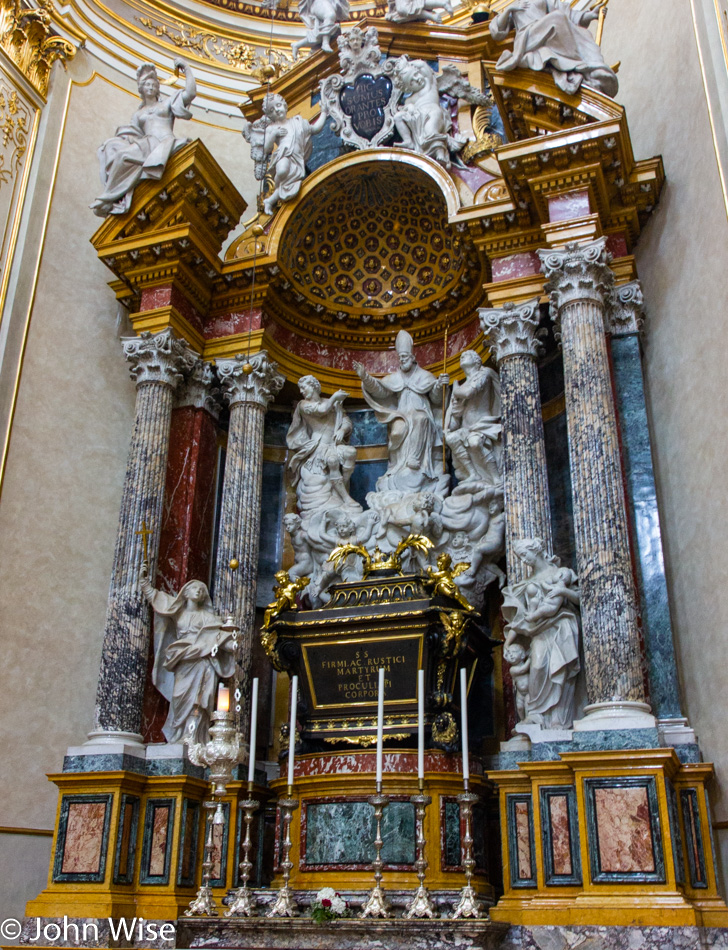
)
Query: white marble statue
[
  {"x": 304, "y": 563},
  {"x": 553, "y": 35},
  {"x": 409, "y": 11},
  {"x": 142, "y": 149},
  {"x": 475, "y": 525},
  {"x": 542, "y": 617},
  {"x": 321, "y": 460},
  {"x": 323, "y": 23},
  {"x": 280, "y": 146},
  {"x": 472, "y": 424},
  {"x": 407, "y": 401},
  {"x": 423, "y": 123},
  {"x": 191, "y": 654}
]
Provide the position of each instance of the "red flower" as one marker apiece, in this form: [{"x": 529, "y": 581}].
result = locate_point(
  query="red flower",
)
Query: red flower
[{"x": 326, "y": 902}]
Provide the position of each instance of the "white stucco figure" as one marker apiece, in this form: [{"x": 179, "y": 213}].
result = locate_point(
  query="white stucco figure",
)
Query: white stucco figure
[
  {"x": 191, "y": 654},
  {"x": 304, "y": 564},
  {"x": 553, "y": 35},
  {"x": 408, "y": 11},
  {"x": 541, "y": 615},
  {"x": 475, "y": 524},
  {"x": 472, "y": 424},
  {"x": 423, "y": 123},
  {"x": 323, "y": 23},
  {"x": 142, "y": 149},
  {"x": 321, "y": 460},
  {"x": 280, "y": 147},
  {"x": 406, "y": 401}
]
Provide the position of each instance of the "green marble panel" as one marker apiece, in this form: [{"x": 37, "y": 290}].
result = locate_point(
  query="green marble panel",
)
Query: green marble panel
[{"x": 343, "y": 833}]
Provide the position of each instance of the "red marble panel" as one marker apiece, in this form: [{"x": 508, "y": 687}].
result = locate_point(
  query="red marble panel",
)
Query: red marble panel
[
  {"x": 169, "y": 295},
  {"x": 126, "y": 823},
  {"x": 403, "y": 762},
  {"x": 515, "y": 265},
  {"x": 84, "y": 838},
  {"x": 616, "y": 244},
  {"x": 158, "y": 849},
  {"x": 185, "y": 542},
  {"x": 473, "y": 177},
  {"x": 560, "y": 834},
  {"x": 227, "y": 324},
  {"x": 523, "y": 841},
  {"x": 625, "y": 834},
  {"x": 574, "y": 204}
]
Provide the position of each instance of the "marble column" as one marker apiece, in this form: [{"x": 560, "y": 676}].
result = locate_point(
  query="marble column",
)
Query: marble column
[
  {"x": 158, "y": 363},
  {"x": 248, "y": 385},
  {"x": 512, "y": 334},
  {"x": 581, "y": 286}
]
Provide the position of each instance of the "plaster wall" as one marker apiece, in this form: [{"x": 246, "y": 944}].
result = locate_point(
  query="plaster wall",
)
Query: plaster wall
[
  {"x": 682, "y": 258},
  {"x": 62, "y": 488}
]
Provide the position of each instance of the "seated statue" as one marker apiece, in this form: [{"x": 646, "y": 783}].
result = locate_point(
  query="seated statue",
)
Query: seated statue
[
  {"x": 323, "y": 23},
  {"x": 542, "y": 616},
  {"x": 472, "y": 424},
  {"x": 409, "y": 11},
  {"x": 553, "y": 35},
  {"x": 142, "y": 149},
  {"x": 191, "y": 654}
]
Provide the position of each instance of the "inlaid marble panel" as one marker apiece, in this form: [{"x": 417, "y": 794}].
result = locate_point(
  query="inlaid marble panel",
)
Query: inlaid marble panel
[
  {"x": 83, "y": 847},
  {"x": 126, "y": 840},
  {"x": 342, "y": 833},
  {"x": 157, "y": 842},
  {"x": 188, "y": 843},
  {"x": 523, "y": 840},
  {"x": 158, "y": 850},
  {"x": 625, "y": 835},
  {"x": 693, "y": 837},
  {"x": 560, "y": 834}
]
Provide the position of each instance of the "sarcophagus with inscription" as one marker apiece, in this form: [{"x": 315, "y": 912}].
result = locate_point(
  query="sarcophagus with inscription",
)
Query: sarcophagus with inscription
[{"x": 387, "y": 620}]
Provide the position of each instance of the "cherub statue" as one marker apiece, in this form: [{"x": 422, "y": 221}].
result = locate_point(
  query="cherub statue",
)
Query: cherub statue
[
  {"x": 408, "y": 11},
  {"x": 422, "y": 121},
  {"x": 285, "y": 592},
  {"x": 303, "y": 561},
  {"x": 520, "y": 665},
  {"x": 191, "y": 653},
  {"x": 291, "y": 139},
  {"x": 442, "y": 580},
  {"x": 322, "y": 19},
  {"x": 142, "y": 149}
]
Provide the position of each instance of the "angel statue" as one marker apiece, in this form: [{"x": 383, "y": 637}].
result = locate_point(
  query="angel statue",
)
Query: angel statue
[
  {"x": 285, "y": 592},
  {"x": 322, "y": 19},
  {"x": 142, "y": 149},
  {"x": 553, "y": 35},
  {"x": 291, "y": 139},
  {"x": 424, "y": 124},
  {"x": 409, "y": 11},
  {"x": 191, "y": 653},
  {"x": 442, "y": 580}
]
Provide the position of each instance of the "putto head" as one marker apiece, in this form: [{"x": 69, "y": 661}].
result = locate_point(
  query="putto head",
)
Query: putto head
[{"x": 274, "y": 106}]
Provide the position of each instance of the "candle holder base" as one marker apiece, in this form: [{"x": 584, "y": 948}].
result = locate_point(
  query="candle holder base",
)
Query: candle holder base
[
  {"x": 244, "y": 904},
  {"x": 469, "y": 905},
  {"x": 420, "y": 906},
  {"x": 285, "y": 904},
  {"x": 204, "y": 905},
  {"x": 376, "y": 905}
]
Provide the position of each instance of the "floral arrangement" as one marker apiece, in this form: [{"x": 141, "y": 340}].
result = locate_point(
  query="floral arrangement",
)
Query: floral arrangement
[{"x": 329, "y": 905}]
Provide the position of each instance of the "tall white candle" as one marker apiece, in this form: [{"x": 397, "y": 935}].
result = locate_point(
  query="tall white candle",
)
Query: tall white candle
[
  {"x": 464, "y": 722},
  {"x": 223, "y": 698},
  {"x": 292, "y": 730},
  {"x": 253, "y": 729},
  {"x": 420, "y": 725},
  {"x": 380, "y": 725}
]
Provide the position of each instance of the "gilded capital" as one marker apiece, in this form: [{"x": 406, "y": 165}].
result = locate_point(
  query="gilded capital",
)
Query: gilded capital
[
  {"x": 578, "y": 272},
  {"x": 158, "y": 357},
  {"x": 200, "y": 390},
  {"x": 512, "y": 330},
  {"x": 627, "y": 313},
  {"x": 254, "y": 379}
]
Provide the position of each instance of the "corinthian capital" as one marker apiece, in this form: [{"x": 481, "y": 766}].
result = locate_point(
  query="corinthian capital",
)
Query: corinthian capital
[
  {"x": 158, "y": 357},
  {"x": 627, "y": 313},
  {"x": 578, "y": 272},
  {"x": 200, "y": 389},
  {"x": 512, "y": 330},
  {"x": 252, "y": 379}
]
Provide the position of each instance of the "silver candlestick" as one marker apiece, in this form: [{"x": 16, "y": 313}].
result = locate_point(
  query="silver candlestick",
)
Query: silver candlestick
[
  {"x": 244, "y": 903},
  {"x": 204, "y": 904},
  {"x": 421, "y": 904},
  {"x": 285, "y": 905},
  {"x": 376, "y": 905},
  {"x": 468, "y": 905}
]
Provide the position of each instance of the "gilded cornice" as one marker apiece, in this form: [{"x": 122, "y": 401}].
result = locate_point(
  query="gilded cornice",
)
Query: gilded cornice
[{"x": 27, "y": 38}]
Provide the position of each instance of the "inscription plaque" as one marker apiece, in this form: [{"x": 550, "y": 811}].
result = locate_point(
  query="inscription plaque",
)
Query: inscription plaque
[
  {"x": 343, "y": 673},
  {"x": 364, "y": 101}
]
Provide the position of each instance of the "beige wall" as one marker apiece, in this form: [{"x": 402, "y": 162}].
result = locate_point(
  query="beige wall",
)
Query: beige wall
[{"x": 683, "y": 261}]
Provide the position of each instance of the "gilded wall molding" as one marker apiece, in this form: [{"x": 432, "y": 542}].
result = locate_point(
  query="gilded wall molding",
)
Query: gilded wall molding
[{"x": 26, "y": 37}]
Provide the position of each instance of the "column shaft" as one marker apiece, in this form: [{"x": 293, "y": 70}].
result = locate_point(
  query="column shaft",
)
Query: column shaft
[
  {"x": 581, "y": 285},
  {"x": 157, "y": 364}
]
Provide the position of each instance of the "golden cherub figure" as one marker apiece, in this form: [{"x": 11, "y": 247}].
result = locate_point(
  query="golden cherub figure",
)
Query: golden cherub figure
[
  {"x": 442, "y": 580},
  {"x": 285, "y": 594}
]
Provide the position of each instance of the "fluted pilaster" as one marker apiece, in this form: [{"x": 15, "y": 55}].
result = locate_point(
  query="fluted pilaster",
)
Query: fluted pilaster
[
  {"x": 512, "y": 333},
  {"x": 158, "y": 362},
  {"x": 248, "y": 386},
  {"x": 581, "y": 287}
]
